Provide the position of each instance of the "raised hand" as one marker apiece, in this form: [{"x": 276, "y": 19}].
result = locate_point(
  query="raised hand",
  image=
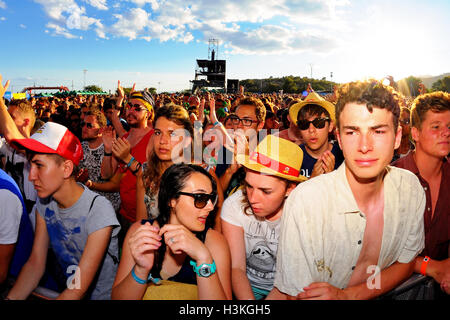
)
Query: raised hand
[
  {"x": 121, "y": 149},
  {"x": 143, "y": 244},
  {"x": 108, "y": 135},
  {"x": 3, "y": 88},
  {"x": 328, "y": 161},
  {"x": 179, "y": 240},
  {"x": 201, "y": 110}
]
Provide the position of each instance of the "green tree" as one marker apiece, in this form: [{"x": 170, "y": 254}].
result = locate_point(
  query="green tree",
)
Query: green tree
[
  {"x": 289, "y": 85},
  {"x": 93, "y": 88},
  {"x": 152, "y": 90},
  {"x": 409, "y": 86},
  {"x": 442, "y": 84}
]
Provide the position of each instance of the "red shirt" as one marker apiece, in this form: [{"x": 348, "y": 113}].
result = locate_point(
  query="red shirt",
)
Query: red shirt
[
  {"x": 437, "y": 230},
  {"x": 127, "y": 187}
]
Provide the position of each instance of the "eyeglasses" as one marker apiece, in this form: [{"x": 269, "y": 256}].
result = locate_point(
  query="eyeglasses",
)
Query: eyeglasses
[
  {"x": 245, "y": 122},
  {"x": 87, "y": 124},
  {"x": 137, "y": 107},
  {"x": 318, "y": 123},
  {"x": 201, "y": 199}
]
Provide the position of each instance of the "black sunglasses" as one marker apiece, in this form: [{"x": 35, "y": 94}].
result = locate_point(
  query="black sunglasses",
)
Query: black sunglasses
[
  {"x": 87, "y": 124},
  {"x": 136, "y": 107},
  {"x": 318, "y": 123},
  {"x": 201, "y": 199}
]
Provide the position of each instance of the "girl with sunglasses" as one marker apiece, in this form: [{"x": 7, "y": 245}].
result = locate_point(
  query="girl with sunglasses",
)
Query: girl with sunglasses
[{"x": 180, "y": 245}]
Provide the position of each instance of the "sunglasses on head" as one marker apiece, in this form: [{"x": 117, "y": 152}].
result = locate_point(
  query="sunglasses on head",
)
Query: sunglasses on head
[
  {"x": 87, "y": 124},
  {"x": 318, "y": 123},
  {"x": 201, "y": 199}
]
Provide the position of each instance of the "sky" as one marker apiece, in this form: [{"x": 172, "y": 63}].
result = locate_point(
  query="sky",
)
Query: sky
[{"x": 155, "y": 43}]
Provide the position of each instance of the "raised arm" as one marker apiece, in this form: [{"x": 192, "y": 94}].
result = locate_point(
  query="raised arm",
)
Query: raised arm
[
  {"x": 7, "y": 125},
  {"x": 137, "y": 257}
]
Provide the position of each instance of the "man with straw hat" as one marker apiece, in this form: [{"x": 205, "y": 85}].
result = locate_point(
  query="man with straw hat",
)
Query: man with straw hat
[
  {"x": 315, "y": 119},
  {"x": 251, "y": 216}
]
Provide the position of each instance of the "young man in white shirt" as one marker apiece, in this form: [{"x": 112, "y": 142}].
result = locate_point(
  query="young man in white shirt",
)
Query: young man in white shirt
[{"x": 354, "y": 233}]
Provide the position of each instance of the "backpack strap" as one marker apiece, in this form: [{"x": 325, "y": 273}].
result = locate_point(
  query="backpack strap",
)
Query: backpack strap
[{"x": 114, "y": 258}]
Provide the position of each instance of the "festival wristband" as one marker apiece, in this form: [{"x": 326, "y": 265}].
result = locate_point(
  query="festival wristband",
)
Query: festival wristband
[
  {"x": 138, "y": 166},
  {"x": 216, "y": 123},
  {"x": 107, "y": 154},
  {"x": 130, "y": 162},
  {"x": 423, "y": 267},
  {"x": 142, "y": 281}
]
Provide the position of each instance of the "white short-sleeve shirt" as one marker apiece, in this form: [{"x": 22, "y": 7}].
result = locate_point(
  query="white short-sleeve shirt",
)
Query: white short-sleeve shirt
[{"x": 10, "y": 214}]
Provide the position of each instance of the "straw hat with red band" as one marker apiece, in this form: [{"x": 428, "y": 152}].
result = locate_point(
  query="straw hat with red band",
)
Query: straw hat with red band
[
  {"x": 276, "y": 157},
  {"x": 56, "y": 139},
  {"x": 312, "y": 98}
]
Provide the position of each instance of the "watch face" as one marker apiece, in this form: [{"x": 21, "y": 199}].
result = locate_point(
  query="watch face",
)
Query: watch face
[{"x": 205, "y": 271}]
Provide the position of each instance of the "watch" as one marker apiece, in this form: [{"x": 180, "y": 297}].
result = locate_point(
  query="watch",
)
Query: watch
[{"x": 204, "y": 270}]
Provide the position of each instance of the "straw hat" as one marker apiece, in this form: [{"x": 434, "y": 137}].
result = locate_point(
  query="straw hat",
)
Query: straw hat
[
  {"x": 312, "y": 98},
  {"x": 277, "y": 157}
]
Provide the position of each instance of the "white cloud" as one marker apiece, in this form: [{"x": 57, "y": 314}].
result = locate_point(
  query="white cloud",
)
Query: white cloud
[
  {"x": 2, "y": 4},
  {"x": 2, "y": 18},
  {"x": 67, "y": 14},
  {"x": 99, "y": 4},
  {"x": 60, "y": 31},
  {"x": 245, "y": 26},
  {"x": 22, "y": 26}
]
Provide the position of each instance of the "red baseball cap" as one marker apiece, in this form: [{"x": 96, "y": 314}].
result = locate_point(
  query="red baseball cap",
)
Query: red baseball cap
[{"x": 56, "y": 139}]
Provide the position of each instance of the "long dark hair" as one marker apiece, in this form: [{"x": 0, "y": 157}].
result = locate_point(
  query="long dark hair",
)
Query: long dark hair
[{"x": 173, "y": 181}]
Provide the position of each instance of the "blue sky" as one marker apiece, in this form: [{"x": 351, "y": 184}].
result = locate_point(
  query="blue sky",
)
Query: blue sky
[{"x": 155, "y": 43}]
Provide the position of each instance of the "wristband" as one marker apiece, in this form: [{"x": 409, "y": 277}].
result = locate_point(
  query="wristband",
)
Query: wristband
[
  {"x": 216, "y": 123},
  {"x": 156, "y": 281},
  {"x": 138, "y": 166},
  {"x": 131, "y": 161},
  {"x": 107, "y": 154},
  {"x": 423, "y": 267}
]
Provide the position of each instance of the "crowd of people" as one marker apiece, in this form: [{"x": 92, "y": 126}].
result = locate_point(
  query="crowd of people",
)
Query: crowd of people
[{"x": 225, "y": 196}]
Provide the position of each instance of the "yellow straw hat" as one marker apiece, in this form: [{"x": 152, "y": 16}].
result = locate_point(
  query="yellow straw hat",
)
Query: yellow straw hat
[
  {"x": 312, "y": 98},
  {"x": 275, "y": 156}
]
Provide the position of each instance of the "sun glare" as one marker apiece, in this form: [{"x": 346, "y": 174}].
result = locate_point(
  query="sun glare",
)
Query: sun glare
[{"x": 391, "y": 47}]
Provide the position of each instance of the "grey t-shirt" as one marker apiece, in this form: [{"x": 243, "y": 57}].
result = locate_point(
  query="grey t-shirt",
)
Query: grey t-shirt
[
  {"x": 69, "y": 228},
  {"x": 261, "y": 240}
]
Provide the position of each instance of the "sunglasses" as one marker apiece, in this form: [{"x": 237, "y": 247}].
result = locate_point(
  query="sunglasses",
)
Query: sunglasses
[
  {"x": 137, "y": 107},
  {"x": 201, "y": 199},
  {"x": 245, "y": 122},
  {"x": 87, "y": 124},
  {"x": 318, "y": 123}
]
